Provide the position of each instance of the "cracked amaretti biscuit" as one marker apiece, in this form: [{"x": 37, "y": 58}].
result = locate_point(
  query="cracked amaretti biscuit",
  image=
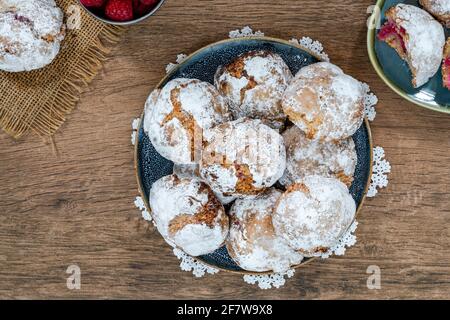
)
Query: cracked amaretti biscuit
[
  {"x": 176, "y": 116},
  {"x": 188, "y": 215},
  {"x": 242, "y": 158},
  {"x": 193, "y": 171},
  {"x": 314, "y": 214},
  {"x": 253, "y": 85},
  {"x": 417, "y": 38},
  {"x": 30, "y": 34},
  {"x": 312, "y": 157},
  {"x": 325, "y": 103},
  {"x": 252, "y": 242},
  {"x": 446, "y": 65},
  {"x": 438, "y": 8}
]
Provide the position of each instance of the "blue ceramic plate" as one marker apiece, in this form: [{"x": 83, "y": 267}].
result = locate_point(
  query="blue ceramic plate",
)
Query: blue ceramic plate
[
  {"x": 150, "y": 166},
  {"x": 395, "y": 71}
]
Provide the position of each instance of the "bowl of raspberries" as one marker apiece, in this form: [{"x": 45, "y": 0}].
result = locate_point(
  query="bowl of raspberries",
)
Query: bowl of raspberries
[{"x": 121, "y": 12}]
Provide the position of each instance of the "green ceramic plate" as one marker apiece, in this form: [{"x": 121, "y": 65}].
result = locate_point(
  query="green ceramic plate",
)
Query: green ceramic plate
[{"x": 395, "y": 72}]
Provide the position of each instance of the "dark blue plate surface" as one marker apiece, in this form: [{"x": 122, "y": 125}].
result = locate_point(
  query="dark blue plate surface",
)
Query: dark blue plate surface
[{"x": 203, "y": 65}]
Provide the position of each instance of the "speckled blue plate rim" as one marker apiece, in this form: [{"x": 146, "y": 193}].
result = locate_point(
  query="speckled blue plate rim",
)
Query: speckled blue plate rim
[
  {"x": 181, "y": 65},
  {"x": 371, "y": 38}
]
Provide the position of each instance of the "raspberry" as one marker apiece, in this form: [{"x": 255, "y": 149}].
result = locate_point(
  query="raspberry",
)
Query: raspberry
[
  {"x": 142, "y": 7},
  {"x": 149, "y": 2},
  {"x": 119, "y": 10},
  {"x": 93, "y": 3}
]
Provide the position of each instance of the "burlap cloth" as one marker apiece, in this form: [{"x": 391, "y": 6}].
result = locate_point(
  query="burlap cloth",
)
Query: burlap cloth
[{"x": 40, "y": 100}]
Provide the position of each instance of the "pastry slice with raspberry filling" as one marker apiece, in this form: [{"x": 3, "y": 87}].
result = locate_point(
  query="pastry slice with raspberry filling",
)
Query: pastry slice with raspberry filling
[
  {"x": 394, "y": 35},
  {"x": 446, "y": 65},
  {"x": 417, "y": 38}
]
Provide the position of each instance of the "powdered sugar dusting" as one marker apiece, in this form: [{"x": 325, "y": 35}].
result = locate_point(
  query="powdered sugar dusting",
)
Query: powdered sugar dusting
[
  {"x": 440, "y": 7},
  {"x": 176, "y": 134},
  {"x": 324, "y": 102},
  {"x": 312, "y": 219},
  {"x": 252, "y": 242},
  {"x": 313, "y": 157},
  {"x": 198, "y": 239},
  {"x": 424, "y": 42},
  {"x": 172, "y": 197},
  {"x": 277, "y": 280},
  {"x": 193, "y": 170},
  {"x": 254, "y": 85},
  {"x": 247, "y": 144},
  {"x": 30, "y": 34}
]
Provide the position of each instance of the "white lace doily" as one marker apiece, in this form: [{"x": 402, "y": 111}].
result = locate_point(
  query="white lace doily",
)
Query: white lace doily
[
  {"x": 139, "y": 203},
  {"x": 245, "y": 32},
  {"x": 314, "y": 46},
  {"x": 180, "y": 58},
  {"x": 381, "y": 168},
  {"x": 274, "y": 280},
  {"x": 189, "y": 263},
  {"x": 370, "y": 102}
]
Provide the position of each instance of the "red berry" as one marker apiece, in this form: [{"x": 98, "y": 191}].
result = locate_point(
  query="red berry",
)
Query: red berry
[
  {"x": 142, "y": 7},
  {"x": 93, "y": 3},
  {"x": 119, "y": 10},
  {"x": 149, "y": 2}
]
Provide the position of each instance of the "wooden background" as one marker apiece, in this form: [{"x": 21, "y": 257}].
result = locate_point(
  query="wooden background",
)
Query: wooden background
[{"x": 76, "y": 207}]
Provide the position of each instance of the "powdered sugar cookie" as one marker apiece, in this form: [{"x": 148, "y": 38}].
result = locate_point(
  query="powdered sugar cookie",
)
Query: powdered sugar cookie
[
  {"x": 313, "y": 215},
  {"x": 176, "y": 116},
  {"x": 324, "y": 103},
  {"x": 188, "y": 215},
  {"x": 312, "y": 157},
  {"x": 253, "y": 84},
  {"x": 193, "y": 171},
  {"x": 30, "y": 34},
  {"x": 242, "y": 158},
  {"x": 252, "y": 242},
  {"x": 417, "y": 38},
  {"x": 438, "y": 8}
]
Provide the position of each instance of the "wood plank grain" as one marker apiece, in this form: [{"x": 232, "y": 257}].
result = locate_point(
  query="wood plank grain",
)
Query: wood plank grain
[{"x": 76, "y": 206}]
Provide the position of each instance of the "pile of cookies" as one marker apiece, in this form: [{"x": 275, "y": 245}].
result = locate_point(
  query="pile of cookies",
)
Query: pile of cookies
[
  {"x": 262, "y": 160},
  {"x": 419, "y": 39}
]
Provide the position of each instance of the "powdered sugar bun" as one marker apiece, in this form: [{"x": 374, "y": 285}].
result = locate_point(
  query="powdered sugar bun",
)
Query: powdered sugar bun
[
  {"x": 193, "y": 171},
  {"x": 242, "y": 158},
  {"x": 253, "y": 84},
  {"x": 176, "y": 116},
  {"x": 438, "y": 8},
  {"x": 312, "y": 216},
  {"x": 188, "y": 215},
  {"x": 252, "y": 242},
  {"x": 423, "y": 40},
  {"x": 312, "y": 157},
  {"x": 30, "y": 34},
  {"x": 325, "y": 103}
]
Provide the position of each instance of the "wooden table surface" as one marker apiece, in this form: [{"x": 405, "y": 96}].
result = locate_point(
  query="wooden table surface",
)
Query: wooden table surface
[{"x": 76, "y": 206}]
